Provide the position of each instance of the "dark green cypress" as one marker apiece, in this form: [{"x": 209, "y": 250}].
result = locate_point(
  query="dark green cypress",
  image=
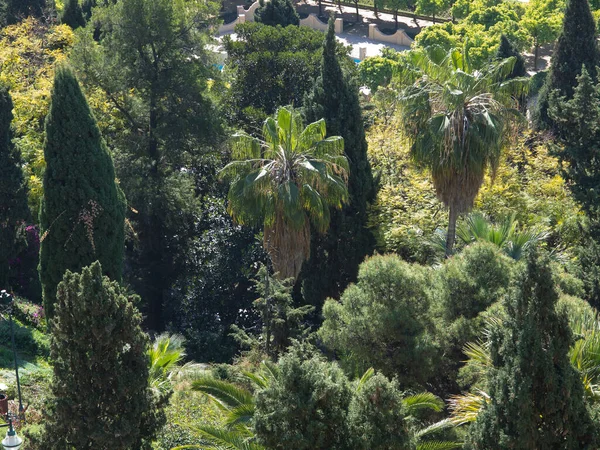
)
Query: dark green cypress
[
  {"x": 72, "y": 14},
  {"x": 508, "y": 50},
  {"x": 536, "y": 396},
  {"x": 101, "y": 397},
  {"x": 14, "y": 211},
  {"x": 335, "y": 257},
  {"x": 277, "y": 12},
  {"x": 83, "y": 210},
  {"x": 576, "y": 47}
]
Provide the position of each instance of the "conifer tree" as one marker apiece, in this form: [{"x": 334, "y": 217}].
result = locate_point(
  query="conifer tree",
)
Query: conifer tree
[
  {"x": 508, "y": 50},
  {"x": 100, "y": 390},
  {"x": 72, "y": 14},
  {"x": 13, "y": 191},
  {"x": 335, "y": 257},
  {"x": 83, "y": 210},
  {"x": 536, "y": 396},
  {"x": 576, "y": 47},
  {"x": 277, "y": 12},
  {"x": 577, "y": 124}
]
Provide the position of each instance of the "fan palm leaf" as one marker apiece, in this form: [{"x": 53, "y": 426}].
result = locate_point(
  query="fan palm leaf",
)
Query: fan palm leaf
[{"x": 286, "y": 182}]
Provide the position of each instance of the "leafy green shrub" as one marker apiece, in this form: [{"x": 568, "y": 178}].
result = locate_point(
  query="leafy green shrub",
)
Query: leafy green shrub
[
  {"x": 383, "y": 320},
  {"x": 306, "y": 408},
  {"x": 472, "y": 281}
]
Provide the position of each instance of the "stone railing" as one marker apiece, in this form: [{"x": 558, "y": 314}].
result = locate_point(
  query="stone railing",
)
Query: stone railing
[
  {"x": 229, "y": 27},
  {"x": 312, "y": 21},
  {"x": 399, "y": 37},
  {"x": 247, "y": 15}
]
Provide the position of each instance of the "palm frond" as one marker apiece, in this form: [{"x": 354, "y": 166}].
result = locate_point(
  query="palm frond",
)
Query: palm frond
[
  {"x": 422, "y": 401},
  {"x": 223, "y": 393},
  {"x": 438, "y": 445}
]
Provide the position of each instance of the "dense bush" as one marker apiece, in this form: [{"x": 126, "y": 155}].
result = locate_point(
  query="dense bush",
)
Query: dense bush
[
  {"x": 306, "y": 408},
  {"x": 383, "y": 320}
]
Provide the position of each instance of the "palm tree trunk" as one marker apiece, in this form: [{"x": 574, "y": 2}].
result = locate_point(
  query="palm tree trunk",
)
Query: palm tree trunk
[{"x": 451, "y": 236}]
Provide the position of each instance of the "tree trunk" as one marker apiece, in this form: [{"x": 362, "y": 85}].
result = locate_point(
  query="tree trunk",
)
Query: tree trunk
[
  {"x": 396, "y": 19},
  {"x": 451, "y": 236},
  {"x": 320, "y": 8},
  {"x": 357, "y": 13},
  {"x": 376, "y": 9},
  {"x": 536, "y": 56}
]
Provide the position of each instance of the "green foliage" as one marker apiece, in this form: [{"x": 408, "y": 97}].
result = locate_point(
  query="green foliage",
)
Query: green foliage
[
  {"x": 72, "y": 14},
  {"x": 83, "y": 210},
  {"x": 536, "y": 397},
  {"x": 287, "y": 182},
  {"x": 100, "y": 367},
  {"x": 542, "y": 20},
  {"x": 29, "y": 51},
  {"x": 508, "y": 50},
  {"x": 280, "y": 321},
  {"x": 214, "y": 290},
  {"x": 334, "y": 264},
  {"x": 270, "y": 67},
  {"x": 152, "y": 65},
  {"x": 14, "y": 211},
  {"x": 324, "y": 393},
  {"x": 376, "y": 416},
  {"x": 376, "y": 71},
  {"x": 277, "y": 12},
  {"x": 383, "y": 320},
  {"x": 576, "y": 47}
]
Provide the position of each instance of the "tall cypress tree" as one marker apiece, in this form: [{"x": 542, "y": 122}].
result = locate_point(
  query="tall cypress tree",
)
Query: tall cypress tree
[
  {"x": 536, "y": 396},
  {"x": 576, "y": 47},
  {"x": 335, "y": 257},
  {"x": 83, "y": 210},
  {"x": 14, "y": 211},
  {"x": 72, "y": 14}
]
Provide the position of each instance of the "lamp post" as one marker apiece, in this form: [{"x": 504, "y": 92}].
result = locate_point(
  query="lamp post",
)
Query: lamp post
[{"x": 12, "y": 441}]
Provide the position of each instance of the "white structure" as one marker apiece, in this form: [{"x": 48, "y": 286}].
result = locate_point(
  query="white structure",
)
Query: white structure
[
  {"x": 247, "y": 15},
  {"x": 398, "y": 38}
]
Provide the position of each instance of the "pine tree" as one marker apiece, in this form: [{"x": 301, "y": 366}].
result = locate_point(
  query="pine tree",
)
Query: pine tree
[
  {"x": 100, "y": 389},
  {"x": 83, "y": 210},
  {"x": 72, "y": 14},
  {"x": 335, "y": 257},
  {"x": 508, "y": 50},
  {"x": 277, "y": 12},
  {"x": 536, "y": 396},
  {"x": 576, "y": 47},
  {"x": 14, "y": 211}
]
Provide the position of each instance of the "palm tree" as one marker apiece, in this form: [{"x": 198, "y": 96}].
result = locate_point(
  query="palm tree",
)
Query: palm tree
[
  {"x": 166, "y": 354},
  {"x": 285, "y": 182},
  {"x": 457, "y": 120}
]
